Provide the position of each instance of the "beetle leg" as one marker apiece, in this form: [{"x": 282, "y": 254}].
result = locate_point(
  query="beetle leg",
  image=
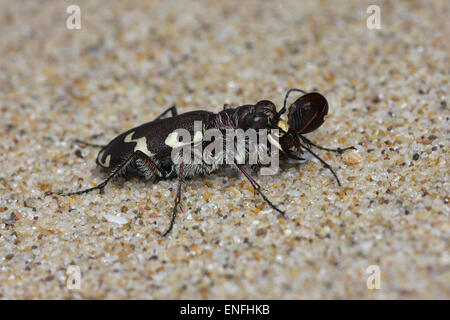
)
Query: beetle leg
[
  {"x": 176, "y": 202},
  {"x": 149, "y": 162},
  {"x": 338, "y": 150},
  {"x": 257, "y": 188},
  {"x": 89, "y": 144},
  {"x": 172, "y": 109},
  {"x": 136, "y": 155}
]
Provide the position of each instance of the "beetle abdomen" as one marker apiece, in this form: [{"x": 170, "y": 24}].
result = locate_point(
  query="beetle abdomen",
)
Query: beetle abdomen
[{"x": 151, "y": 139}]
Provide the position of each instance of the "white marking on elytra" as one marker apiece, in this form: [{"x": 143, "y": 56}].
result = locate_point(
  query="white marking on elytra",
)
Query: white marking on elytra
[
  {"x": 107, "y": 160},
  {"x": 141, "y": 144},
  {"x": 172, "y": 139}
]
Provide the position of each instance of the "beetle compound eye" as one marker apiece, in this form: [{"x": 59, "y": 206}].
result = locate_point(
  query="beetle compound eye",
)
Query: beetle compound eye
[
  {"x": 256, "y": 121},
  {"x": 259, "y": 119}
]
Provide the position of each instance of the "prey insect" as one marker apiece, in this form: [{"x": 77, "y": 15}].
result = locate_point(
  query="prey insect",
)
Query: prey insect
[{"x": 147, "y": 149}]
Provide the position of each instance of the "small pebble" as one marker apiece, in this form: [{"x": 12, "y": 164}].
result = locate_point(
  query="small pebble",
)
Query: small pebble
[
  {"x": 352, "y": 157},
  {"x": 115, "y": 219}
]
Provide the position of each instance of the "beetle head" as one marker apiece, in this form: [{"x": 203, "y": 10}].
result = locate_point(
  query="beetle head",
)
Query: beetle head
[{"x": 260, "y": 116}]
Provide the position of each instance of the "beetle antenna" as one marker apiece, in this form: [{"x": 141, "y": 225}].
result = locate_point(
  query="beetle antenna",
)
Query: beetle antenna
[{"x": 283, "y": 110}]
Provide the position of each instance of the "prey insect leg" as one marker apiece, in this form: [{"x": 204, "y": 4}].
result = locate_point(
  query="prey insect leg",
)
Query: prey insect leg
[
  {"x": 257, "y": 188},
  {"x": 338, "y": 150},
  {"x": 323, "y": 162}
]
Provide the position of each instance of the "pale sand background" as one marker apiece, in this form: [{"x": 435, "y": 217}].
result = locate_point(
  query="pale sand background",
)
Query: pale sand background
[{"x": 387, "y": 90}]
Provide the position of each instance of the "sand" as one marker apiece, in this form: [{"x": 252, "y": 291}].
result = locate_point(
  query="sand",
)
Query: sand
[{"x": 387, "y": 90}]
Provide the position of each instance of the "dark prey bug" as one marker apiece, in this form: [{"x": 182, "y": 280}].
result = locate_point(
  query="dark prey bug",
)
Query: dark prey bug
[{"x": 146, "y": 149}]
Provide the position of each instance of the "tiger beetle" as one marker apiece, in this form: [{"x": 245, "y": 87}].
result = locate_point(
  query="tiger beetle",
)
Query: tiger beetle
[{"x": 146, "y": 149}]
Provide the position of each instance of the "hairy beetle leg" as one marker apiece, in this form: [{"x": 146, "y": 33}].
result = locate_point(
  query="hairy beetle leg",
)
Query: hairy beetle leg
[
  {"x": 176, "y": 202},
  {"x": 136, "y": 155}
]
